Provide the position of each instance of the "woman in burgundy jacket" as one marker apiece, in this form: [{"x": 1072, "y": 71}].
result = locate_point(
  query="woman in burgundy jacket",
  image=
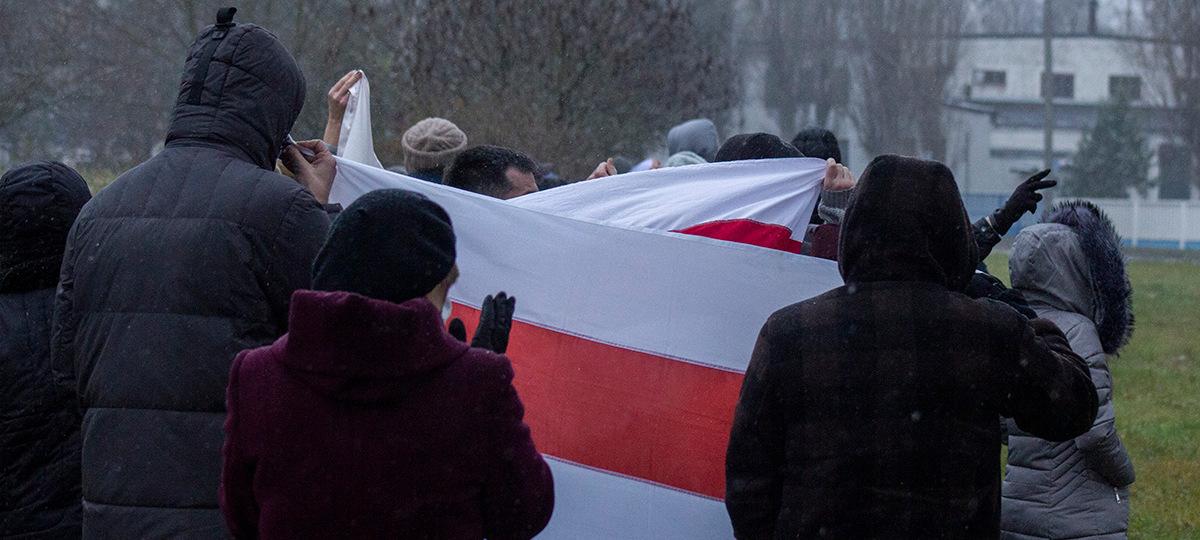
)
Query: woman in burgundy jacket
[{"x": 368, "y": 419}]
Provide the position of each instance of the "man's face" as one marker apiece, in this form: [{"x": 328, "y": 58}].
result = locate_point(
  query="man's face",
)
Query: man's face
[{"x": 519, "y": 183}]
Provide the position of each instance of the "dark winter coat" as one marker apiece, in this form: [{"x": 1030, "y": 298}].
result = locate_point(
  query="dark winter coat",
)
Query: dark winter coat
[
  {"x": 368, "y": 420},
  {"x": 1076, "y": 488},
  {"x": 182, "y": 262},
  {"x": 39, "y": 417},
  {"x": 870, "y": 411}
]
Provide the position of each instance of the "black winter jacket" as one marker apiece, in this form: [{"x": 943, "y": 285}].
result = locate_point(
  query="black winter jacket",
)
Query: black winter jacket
[
  {"x": 182, "y": 262},
  {"x": 870, "y": 411},
  {"x": 39, "y": 418}
]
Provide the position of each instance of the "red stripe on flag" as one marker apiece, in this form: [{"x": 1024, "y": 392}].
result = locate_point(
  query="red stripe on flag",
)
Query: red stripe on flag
[
  {"x": 624, "y": 411},
  {"x": 747, "y": 231}
]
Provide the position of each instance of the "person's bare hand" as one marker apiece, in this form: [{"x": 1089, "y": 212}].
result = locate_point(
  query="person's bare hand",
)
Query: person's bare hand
[
  {"x": 337, "y": 99},
  {"x": 837, "y": 177},
  {"x": 314, "y": 173},
  {"x": 605, "y": 168},
  {"x": 339, "y": 94}
]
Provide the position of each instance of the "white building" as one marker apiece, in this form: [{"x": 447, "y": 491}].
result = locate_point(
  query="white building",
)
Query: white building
[
  {"x": 994, "y": 109},
  {"x": 999, "y": 77}
]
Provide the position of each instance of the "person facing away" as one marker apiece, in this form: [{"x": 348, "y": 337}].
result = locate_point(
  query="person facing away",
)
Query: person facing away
[
  {"x": 368, "y": 419},
  {"x": 39, "y": 418},
  {"x": 698, "y": 136},
  {"x": 171, "y": 270},
  {"x": 870, "y": 411},
  {"x": 494, "y": 171},
  {"x": 1070, "y": 270}
]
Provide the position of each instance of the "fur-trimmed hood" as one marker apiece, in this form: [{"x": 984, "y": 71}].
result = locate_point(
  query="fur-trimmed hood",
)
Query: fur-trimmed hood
[{"x": 1073, "y": 262}]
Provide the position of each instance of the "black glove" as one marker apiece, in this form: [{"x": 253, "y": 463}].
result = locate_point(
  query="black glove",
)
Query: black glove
[
  {"x": 988, "y": 286},
  {"x": 495, "y": 322},
  {"x": 1024, "y": 199}
]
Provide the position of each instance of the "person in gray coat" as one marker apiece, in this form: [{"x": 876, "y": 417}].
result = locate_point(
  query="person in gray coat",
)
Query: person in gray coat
[
  {"x": 1071, "y": 271},
  {"x": 698, "y": 136}
]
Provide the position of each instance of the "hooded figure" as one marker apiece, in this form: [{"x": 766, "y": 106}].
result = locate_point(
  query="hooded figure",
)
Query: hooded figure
[
  {"x": 182, "y": 262},
  {"x": 367, "y": 419},
  {"x": 698, "y": 136},
  {"x": 870, "y": 411},
  {"x": 1071, "y": 271},
  {"x": 39, "y": 419}
]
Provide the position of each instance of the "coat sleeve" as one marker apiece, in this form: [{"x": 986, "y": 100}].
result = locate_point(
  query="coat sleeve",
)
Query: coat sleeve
[
  {"x": 1101, "y": 445},
  {"x": 1049, "y": 392},
  {"x": 754, "y": 461},
  {"x": 986, "y": 238},
  {"x": 64, "y": 320},
  {"x": 518, "y": 491},
  {"x": 237, "y": 469},
  {"x": 292, "y": 250}
]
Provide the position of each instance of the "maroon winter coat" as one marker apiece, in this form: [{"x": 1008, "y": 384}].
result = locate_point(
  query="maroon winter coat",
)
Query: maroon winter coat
[{"x": 368, "y": 420}]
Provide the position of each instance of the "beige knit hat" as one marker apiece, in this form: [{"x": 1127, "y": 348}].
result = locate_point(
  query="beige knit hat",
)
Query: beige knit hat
[{"x": 432, "y": 143}]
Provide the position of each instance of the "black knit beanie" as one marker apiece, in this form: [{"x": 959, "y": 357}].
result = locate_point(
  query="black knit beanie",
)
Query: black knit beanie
[
  {"x": 390, "y": 244},
  {"x": 756, "y": 146},
  {"x": 39, "y": 202}
]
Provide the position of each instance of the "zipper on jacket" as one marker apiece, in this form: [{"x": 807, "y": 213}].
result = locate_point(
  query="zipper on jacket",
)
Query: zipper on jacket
[{"x": 1118, "y": 494}]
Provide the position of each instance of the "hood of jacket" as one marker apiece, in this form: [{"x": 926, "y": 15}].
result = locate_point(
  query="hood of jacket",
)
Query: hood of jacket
[
  {"x": 241, "y": 90},
  {"x": 1073, "y": 262},
  {"x": 38, "y": 204},
  {"x": 906, "y": 222},
  {"x": 698, "y": 136},
  {"x": 354, "y": 348}
]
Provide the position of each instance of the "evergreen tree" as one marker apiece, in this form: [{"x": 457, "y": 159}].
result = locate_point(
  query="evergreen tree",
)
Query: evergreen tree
[{"x": 1112, "y": 157}]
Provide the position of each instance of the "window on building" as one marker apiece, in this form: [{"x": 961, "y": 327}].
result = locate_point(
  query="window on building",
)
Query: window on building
[
  {"x": 1174, "y": 172},
  {"x": 1128, "y": 88},
  {"x": 1062, "y": 86},
  {"x": 991, "y": 77}
]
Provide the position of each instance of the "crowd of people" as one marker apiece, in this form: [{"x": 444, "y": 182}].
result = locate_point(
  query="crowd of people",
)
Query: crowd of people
[{"x": 207, "y": 347}]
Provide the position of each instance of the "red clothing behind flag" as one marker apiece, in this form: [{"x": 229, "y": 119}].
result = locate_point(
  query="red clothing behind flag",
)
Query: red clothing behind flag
[{"x": 368, "y": 420}]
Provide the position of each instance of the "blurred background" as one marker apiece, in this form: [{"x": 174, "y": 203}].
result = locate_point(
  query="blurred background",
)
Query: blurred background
[
  {"x": 573, "y": 82},
  {"x": 1107, "y": 92},
  {"x": 93, "y": 81}
]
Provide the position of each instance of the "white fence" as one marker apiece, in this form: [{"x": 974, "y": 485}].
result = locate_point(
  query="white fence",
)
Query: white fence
[{"x": 1163, "y": 224}]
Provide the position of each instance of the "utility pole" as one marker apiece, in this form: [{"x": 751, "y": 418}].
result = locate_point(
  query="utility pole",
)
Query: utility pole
[{"x": 1047, "y": 85}]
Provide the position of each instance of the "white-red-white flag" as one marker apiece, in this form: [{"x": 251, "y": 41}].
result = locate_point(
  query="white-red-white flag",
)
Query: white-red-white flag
[{"x": 630, "y": 340}]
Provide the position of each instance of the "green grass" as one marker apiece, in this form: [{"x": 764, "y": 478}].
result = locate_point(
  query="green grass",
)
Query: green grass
[
  {"x": 1157, "y": 397},
  {"x": 98, "y": 179}
]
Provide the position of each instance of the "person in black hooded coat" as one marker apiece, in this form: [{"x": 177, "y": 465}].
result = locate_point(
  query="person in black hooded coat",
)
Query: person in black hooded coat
[
  {"x": 870, "y": 411},
  {"x": 39, "y": 418},
  {"x": 182, "y": 262}
]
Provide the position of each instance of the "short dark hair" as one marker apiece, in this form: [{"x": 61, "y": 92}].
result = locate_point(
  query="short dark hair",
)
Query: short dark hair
[
  {"x": 819, "y": 143},
  {"x": 755, "y": 146},
  {"x": 481, "y": 169}
]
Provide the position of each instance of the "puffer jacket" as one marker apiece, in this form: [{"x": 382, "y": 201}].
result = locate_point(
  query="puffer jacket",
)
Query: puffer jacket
[
  {"x": 182, "y": 262},
  {"x": 1071, "y": 272},
  {"x": 39, "y": 418},
  {"x": 871, "y": 411}
]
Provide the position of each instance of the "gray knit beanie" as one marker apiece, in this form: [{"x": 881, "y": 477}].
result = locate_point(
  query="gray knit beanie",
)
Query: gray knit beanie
[{"x": 432, "y": 143}]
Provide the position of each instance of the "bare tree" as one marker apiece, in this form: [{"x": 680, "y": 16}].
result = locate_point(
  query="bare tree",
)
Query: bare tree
[
  {"x": 569, "y": 82},
  {"x": 906, "y": 53},
  {"x": 95, "y": 82},
  {"x": 807, "y": 74},
  {"x": 1175, "y": 51}
]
